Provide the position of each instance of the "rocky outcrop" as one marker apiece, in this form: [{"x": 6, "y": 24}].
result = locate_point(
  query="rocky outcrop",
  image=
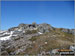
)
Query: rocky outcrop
[
  {"x": 70, "y": 31},
  {"x": 19, "y": 37},
  {"x": 39, "y": 27},
  {"x": 44, "y": 27}
]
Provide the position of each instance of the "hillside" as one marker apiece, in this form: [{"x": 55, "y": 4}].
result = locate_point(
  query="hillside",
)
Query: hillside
[
  {"x": 53, "y": 39},
  {"x": 34, "y": 39}
]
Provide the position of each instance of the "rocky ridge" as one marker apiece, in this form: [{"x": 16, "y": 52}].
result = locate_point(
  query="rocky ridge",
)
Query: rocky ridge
[{"x": 17, "y": 40}]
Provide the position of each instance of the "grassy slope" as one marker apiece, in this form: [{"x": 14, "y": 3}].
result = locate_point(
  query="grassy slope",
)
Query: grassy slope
[{"x": 54, "y": 39}]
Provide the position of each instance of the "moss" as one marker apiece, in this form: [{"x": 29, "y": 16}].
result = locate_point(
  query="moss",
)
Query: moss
[
  {"x": 17, "y": 38},
  {"x": 31, "y": 31},
  {"x": 33, "y": 39},
  {"x": 34, "y": 31}
]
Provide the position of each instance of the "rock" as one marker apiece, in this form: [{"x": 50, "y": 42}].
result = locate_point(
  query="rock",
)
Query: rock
[
  {"x": 44, "y": 28},
  {"x": 65, "y": 30},
  {"x": 34, "y": 24},
  {"x": 70, "y": 31},
  {"x": 15, "y": 38},
  {"x": 13, "y": 28},
  {"x": 10, "y": 49},
  {"x": 2, "y": 48},
  {"x": 21, "y": 25},
  {"x": 4, "y": 53}
]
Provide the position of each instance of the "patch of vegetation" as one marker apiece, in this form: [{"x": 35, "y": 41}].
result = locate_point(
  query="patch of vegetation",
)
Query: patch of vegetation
[
  {"x": 55, "y": 39},
  {"x": 17, "y": 38},
  {"x": 33, "y": 39},
  {"x": 66, "y": 34},
  {"x": 31, "y": 31}
]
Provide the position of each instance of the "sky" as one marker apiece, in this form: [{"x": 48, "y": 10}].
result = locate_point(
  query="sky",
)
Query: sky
[{"x": 59, "y": 14}]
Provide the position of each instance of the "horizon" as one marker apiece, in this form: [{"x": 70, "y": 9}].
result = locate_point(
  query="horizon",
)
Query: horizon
[
  {"x": 58, "y": 14},
  {"x": 37, "y": 23}
]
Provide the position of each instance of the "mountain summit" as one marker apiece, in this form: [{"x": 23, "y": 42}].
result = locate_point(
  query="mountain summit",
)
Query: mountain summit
[
  {"x": 44, "y": 27},
  {"x": 30, "y": 38}
]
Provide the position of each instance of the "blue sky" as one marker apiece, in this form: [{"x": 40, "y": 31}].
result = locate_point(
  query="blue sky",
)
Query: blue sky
[{"x": 59, "y": 14}]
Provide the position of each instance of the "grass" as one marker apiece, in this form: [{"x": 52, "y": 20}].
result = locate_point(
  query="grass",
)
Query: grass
[
  {"x": 55, "y": 39},
  {"x": 33, "y": 39},
  {"x": 31, "y": 31}
]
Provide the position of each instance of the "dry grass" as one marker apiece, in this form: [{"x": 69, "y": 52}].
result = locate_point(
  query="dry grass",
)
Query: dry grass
[{"x": 54, "y": 39}]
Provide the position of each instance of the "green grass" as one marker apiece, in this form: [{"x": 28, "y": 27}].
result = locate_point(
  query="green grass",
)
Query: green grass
[
  {"x": 33, "y": 39},
  {"x": 31, "y": 31}
]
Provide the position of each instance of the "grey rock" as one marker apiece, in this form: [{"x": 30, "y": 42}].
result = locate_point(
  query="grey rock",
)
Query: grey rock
[
  {"x": 45, "y": 28},
  {"x": 4, "y": 53},
  {"x": 70, "y": 31}
]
